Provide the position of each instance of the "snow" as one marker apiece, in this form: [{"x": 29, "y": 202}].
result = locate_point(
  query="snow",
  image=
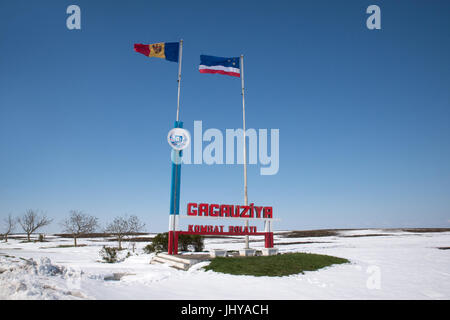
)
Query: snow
[{"x": 392, "y": 265}]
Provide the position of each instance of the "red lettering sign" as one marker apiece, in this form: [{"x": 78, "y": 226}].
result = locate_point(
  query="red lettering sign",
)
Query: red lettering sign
[
  {"x": 219, "y": 230},
  {"x": 227, "y": 210}
]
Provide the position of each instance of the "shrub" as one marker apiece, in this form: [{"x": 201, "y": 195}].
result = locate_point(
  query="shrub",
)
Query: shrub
[
  {"x": 184, "y": 240},
  {"x": 195, "y": 241},
  {"x": 185, "y": 243},
  {"x": 109, "y": 254},
  {"x": 159, "y": 243}
]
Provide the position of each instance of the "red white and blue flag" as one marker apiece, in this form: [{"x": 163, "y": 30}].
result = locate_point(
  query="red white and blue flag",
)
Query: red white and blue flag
[{"x": 220, "y": 65}]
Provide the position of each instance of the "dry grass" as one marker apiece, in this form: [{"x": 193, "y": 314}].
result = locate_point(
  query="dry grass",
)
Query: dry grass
[
  {"x": 310, "y": 233},
  {"x": 96, "y": 235},
  {"x": 425, "y": 230}
]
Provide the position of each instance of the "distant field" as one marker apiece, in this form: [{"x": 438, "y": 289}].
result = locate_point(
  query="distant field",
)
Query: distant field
[{"x": 336, "y": 232}]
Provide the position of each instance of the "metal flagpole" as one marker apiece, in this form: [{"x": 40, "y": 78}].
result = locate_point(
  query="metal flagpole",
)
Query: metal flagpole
[
  {"x": 176, "y": 174},
  {"x": 179, "y": 78},
  {"x": 245, "y": 146}
]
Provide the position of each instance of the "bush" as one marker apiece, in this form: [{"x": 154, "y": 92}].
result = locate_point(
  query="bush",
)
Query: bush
[
  {"x": 185, "y": 243},
  {"x": 109, "y": 254},
  {"x": 159, "y": 243},
  {"x": 184, "y": 240}
]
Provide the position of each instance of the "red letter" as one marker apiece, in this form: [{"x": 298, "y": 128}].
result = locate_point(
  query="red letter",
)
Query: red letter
[
  {"x": 191, "y": 212},
  {"x": 203, "y": 209},
  {"x": 258, "y": 211},
  {"x": 245, "y": 213},
  {"x": 226, "y": 210},
  {"x": 268, "y": 212},
  {"x": 212, "y": 212},
  {"x": 235, "y": 213}
]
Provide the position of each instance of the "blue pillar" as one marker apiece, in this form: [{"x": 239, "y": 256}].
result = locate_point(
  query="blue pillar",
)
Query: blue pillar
[
  {"x": 175, "y": 197},
  {"x": 176, "y": 174}
]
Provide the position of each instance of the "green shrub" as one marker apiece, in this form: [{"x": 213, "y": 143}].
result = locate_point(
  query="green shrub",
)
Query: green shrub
[
  {"x": 109, "y": 254},
  {"x": 197, "y": 242},
  {"x": 186, "y": 242},
  {"x": 159, "y": 243}
]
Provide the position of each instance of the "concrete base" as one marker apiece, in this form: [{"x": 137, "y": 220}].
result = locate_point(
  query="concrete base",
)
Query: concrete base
[
  {"x": 269, "y": 251},
  {"x": 182, "y": 262},
  {"x": 217, "y": 253},
  {"x": 247, "y": 252}
]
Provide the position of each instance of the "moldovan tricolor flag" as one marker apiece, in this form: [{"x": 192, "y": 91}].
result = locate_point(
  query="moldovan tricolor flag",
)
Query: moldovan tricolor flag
[
  {"x": 227, "y": 66},
  {"x": 165, "y": 50}
]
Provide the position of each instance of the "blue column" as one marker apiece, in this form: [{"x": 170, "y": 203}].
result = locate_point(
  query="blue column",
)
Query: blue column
[
  {"x": 176, "y": 174},
  {"x": 175, "y": 197}
]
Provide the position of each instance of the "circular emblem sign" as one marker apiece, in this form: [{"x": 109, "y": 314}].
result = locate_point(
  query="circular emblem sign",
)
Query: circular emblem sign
[{"x": 178, "y": 138}]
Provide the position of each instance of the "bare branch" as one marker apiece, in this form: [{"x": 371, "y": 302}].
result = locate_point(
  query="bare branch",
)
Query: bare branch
[
  {"x": 122, "y": 226},
  {"x": 10, "y": 224},
  {"x": 31, "y": 221},
  {"x": 79, "y": 223}
]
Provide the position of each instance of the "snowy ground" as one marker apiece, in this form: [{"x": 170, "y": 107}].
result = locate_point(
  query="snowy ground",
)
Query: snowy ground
[{"x": 392, "y": 265}]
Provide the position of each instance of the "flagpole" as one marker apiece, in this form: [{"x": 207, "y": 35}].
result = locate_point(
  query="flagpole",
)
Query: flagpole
[
  {"x": 245, "y": 146},
  {"x": 179, "y": 79}
]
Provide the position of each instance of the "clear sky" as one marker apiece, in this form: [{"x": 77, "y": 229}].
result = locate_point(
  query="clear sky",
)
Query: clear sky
[{"x": 363, "y": 114}]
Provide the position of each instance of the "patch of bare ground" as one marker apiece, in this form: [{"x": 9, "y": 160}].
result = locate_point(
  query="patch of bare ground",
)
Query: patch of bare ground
[
  {"x": 425, "y": 230},
  {"x": 311, "y": 233},
  {"x": 298, "y": 242},
  {"x": 137, "y": 239},
  {"x": 367, "y": 235},
  {"x": 336, "y": 232},
  {"x": 65, "y": 246},
  {"x": 17, "y": 237},
  {"x": 96, "y": 235}
]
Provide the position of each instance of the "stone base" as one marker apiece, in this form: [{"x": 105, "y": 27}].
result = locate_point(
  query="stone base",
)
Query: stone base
[
  {"x": 247, "y": 252},
  {"x": 217, "y": 253},
  {"x": 269, "y": 251}
]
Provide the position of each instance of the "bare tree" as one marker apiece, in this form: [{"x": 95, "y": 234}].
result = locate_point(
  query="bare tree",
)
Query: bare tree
[
  {"x": 79, "y": 223},
  {"x": 31, "y": 221},
  {"x": 10, "y": 225},
  {"x": 123, "y": 226}
]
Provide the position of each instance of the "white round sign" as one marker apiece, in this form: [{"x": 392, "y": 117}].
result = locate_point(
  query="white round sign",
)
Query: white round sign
[{"x": 178, "y": 138}]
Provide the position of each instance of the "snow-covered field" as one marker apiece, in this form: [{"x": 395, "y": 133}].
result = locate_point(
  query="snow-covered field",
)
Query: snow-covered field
[{"x": 392, "y": 265}]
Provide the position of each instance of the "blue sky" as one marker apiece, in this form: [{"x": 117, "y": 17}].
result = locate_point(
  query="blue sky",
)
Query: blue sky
[{"x": 363, "y": 114}]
